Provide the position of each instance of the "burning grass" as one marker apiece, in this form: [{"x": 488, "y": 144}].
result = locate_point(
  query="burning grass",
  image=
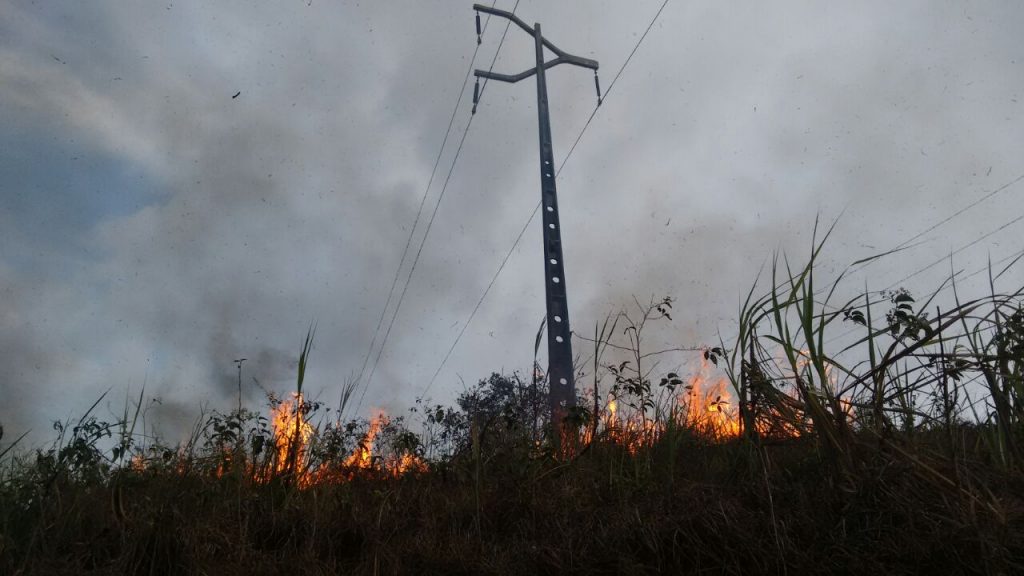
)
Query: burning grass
[{"x": 897, "y": 451}]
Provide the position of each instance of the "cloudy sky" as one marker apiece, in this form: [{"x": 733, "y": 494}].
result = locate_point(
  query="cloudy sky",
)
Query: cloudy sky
[{"x": 153, "y": 228}]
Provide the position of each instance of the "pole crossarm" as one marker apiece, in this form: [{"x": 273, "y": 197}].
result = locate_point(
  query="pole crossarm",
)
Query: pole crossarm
[
  {"x": 563, "y": 57},
  {"x": 513, "y": 78}
]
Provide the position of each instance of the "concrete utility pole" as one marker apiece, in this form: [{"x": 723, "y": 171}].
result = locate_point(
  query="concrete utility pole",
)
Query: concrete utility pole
[{"x": 560, "y": 369}]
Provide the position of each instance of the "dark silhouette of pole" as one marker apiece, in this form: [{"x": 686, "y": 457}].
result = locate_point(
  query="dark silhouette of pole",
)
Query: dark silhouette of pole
[{"x": 560, "y": 370}]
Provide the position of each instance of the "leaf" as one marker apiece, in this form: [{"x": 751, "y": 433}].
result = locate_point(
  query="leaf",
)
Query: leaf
[{"x": 855, "y": 316}]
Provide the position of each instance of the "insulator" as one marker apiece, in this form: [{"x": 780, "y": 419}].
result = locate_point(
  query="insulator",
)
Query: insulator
[
  {"x": 476, "y": 94},
  {"x": 479, "y": 32},
  {"x": 597, "y": 85}
]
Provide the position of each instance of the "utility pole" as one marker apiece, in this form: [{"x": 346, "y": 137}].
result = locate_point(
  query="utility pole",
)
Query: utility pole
[
  {"x": 239, "y": 362},
  {"x": 560, "y": 370}
]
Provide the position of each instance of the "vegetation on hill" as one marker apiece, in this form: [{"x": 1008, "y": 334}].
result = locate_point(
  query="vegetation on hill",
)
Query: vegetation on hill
[{"x": 897, "y": 450}]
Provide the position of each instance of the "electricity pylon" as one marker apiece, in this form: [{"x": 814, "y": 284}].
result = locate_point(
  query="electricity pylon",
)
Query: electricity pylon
[{"x": 560, "y": 369}]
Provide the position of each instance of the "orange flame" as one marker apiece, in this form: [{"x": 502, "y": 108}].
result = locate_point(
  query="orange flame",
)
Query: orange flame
[
  {"x": 362, "y": 457},
  {"x": 364, "y": 460},
  {"x": 137, "y": 463},
  {"x": 703, "y": 405},
  {"x": 710, "y": 408},
  {"x": 291, "y": 434}
]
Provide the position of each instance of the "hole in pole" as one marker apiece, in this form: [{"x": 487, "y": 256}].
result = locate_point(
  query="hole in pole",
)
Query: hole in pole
[
  {"x": 553, "y": 261},
  {"x": 558, "y": 318},
  {"x": 563, "y": 381},
  {"x": 556, "y": 279},
  {"x": 552, "y": 226},
  {"x": 551, "y": 208},
  {"x": 559, "y": 339}
]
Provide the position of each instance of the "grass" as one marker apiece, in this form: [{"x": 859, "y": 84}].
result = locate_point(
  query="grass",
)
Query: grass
[{"x": 876, "y": 434}]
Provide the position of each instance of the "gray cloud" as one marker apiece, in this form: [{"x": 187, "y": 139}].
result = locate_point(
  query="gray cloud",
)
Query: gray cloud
[{"x": 733, "y": 127}]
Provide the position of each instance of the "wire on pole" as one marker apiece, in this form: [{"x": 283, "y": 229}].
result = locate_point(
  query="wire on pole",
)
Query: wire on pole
[
  {"x": 536, "y": 208},
  {"x": 419, "y": 211},
  {"x": 437, "y": 205}
]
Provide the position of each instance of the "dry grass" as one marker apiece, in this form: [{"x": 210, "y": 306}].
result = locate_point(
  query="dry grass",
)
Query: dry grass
[{"x": 899, "y": 453}]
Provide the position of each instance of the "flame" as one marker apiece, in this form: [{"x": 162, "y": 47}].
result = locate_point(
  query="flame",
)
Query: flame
[
  {"x": 705, "y": 405},
  {"x": 408, "y": 463},
  {"x": 393, "y": 465},
  {"x": 612, "y": 417},
  {"x": 364, "y": 460},
  {"x": 710, "y": 408},
  {"x": 632, "y": 432},
  {"x": 291, "y": 434},
  {"x": 362, "y": 457},
  {"x": 137, "y": 463},
  {"x": 290, "y": 450}
]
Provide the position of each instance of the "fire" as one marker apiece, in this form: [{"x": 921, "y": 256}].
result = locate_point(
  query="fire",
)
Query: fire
[
  {"x": 362, "y": 457},
  {"x": 408, "y": 463},
  {"x": 292, "y": 437},
  {"x": 633, "y": 432},
  {"x": 137, "y": 463},
  {"x": 709, "y": 407},
  {"x": 613, "y": 409},
  {"x": 705, "y": 405},
  {"x": 291, "y": 434}
]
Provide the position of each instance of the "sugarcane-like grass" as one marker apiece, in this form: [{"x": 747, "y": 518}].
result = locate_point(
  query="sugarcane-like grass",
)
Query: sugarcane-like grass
[{"x": 882, "y": 433}]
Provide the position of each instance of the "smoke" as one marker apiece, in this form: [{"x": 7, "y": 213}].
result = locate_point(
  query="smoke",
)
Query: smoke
[{"x": 215, "y": 228}]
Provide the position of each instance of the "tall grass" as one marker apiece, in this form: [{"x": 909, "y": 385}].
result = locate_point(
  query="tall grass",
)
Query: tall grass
[{"x": 877, "y": 433}]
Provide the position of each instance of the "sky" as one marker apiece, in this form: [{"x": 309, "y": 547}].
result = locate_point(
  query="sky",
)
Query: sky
[{"x": 154, "y": 226}]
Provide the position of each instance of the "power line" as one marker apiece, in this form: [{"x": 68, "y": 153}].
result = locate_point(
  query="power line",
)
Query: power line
[
  {"x": 957, "y": 251},
  {"x": 608, "y": 91},
  {"x": 533, "y": 214},
  {"x": 865, "y": 262},
  {"x": 1015, "y": 257},
  {"x": 496, "y": 52},
  {"x": 433, "y": 215},
  {"x": 423, "y": 200},
  {"x": 870, "y": 260},
  {"x": 481, "y": 300},
  {"x": 907, "y": 242},
  {"x": 537, "y": 207}
]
